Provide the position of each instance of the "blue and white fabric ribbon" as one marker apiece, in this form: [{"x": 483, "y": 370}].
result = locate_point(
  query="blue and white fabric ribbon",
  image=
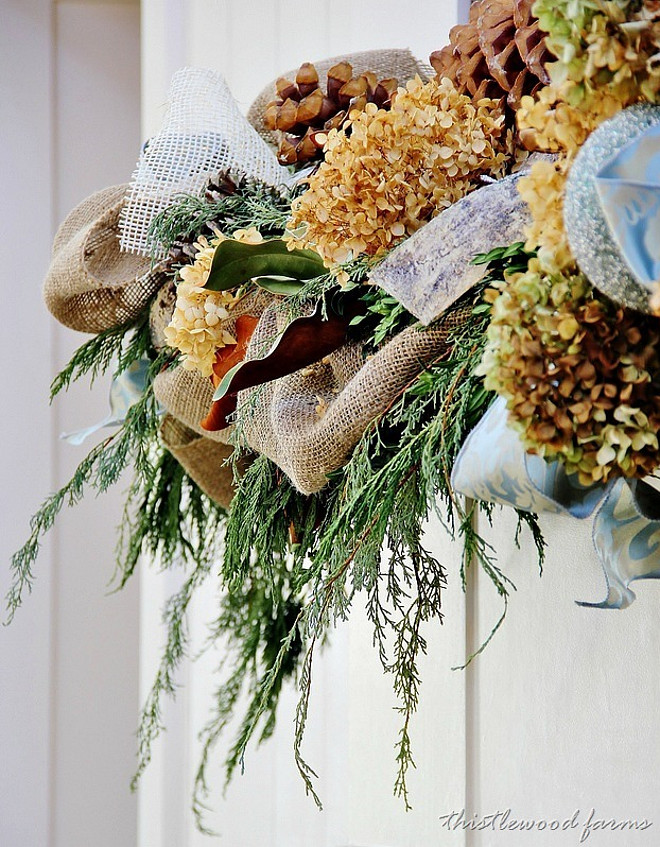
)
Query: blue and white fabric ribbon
[
  {"x": 125, "y": 390},
  {"x": 493, "y": 466}
]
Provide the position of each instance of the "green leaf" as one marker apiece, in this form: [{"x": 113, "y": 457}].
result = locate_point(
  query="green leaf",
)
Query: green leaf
[
  {"x": 235, "y": 263},
  {"x": 279, "y": 285},
  {"x": 223, "y": 386}
]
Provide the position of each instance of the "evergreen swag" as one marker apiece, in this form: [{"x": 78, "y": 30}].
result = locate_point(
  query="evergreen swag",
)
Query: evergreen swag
[{"x": 292, "y": 565}]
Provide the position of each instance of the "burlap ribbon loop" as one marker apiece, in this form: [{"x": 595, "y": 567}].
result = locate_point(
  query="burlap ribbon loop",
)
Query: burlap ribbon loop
[
  {"x": 91, "y": 285},
  {"x": 204, "y": 460},
  {"x": 309, "y": 422}
]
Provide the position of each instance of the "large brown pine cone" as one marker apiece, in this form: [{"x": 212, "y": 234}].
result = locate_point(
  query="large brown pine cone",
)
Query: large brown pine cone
[
  {"x": 303, "y": 114},
  {"x": 500, "y": 52}
]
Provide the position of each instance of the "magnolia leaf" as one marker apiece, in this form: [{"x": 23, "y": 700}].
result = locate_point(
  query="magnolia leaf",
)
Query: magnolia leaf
[
  {"x": 279, "y": 285},
  {"x": 303, "y": 342},
  {"x": 235, "y": 263},
  {"x": 229, "y": 358}
]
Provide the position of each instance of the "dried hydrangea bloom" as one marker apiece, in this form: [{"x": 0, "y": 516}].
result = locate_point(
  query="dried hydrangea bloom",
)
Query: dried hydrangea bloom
[
  {"x": 581, "y": 375},
  {"x": 611, "y": 45},
  {"x": 548, "y": 123},
  {"x": 543, "y": 191},
  {"x": 389, "y": 171},
  {"x": 197, "y": 328}
]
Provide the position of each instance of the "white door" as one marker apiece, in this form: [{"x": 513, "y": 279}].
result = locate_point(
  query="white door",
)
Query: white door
[{"x": 556, "y": 718}]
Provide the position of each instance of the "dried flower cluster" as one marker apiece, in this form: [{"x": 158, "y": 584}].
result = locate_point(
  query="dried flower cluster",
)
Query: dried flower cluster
[
  {"x": 581, "y": 376},
  {"x": 612, "y": 44},
  {"x": 393, "y": 170},
  {"x": 607, "y": 58},
  {"x": 552, "y": 124},
  {"x": 543, "y": 191},
  {"x": 197, "y": 328}
]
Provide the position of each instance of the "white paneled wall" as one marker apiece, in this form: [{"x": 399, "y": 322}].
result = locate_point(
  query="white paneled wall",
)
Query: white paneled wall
[
  {"x": 253, "y": 41},
  {"x": 69, "y": 81}
]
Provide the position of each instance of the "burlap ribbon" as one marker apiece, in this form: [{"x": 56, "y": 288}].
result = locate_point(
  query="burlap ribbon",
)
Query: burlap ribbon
[
  {"x": 205, "y": 461},
  {"x": 91, "y": 285},
  {"x": 309, "y": 422}
]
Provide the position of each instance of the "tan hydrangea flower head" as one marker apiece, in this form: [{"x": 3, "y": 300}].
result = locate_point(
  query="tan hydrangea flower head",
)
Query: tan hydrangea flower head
[
  {"x": 543, "y": 191},
  {"x": 547, "y": 122},
  {"x": 608, "y": 56},
  {"x": 197, "y": 328},
  {"x": 581, "y": 375},
  {"x": 388, "y": 172}
]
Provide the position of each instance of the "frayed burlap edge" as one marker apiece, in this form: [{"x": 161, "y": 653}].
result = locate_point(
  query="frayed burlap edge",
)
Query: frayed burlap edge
[
  {"x": 91, "y": 285},
  {"x": 309, "y": 422}
]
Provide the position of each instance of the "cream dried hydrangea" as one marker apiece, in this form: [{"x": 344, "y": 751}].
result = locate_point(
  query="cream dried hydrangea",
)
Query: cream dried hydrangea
[
  {"x": 547, "y": 122},
  {"x": 543, "y": 191},
  {"x": 387, "y": 172},
  {"x": 197, "y": 328}
]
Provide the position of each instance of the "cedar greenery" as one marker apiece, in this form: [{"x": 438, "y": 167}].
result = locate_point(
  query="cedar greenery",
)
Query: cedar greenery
[
  {"x": 103, "y": 466},
  {"x": 247, "y": 203},
  {"x": 397, "y": 477},
  {"x": 291, "y": 565}
]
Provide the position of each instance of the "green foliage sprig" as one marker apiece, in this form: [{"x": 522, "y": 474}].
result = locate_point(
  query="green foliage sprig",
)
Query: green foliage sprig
[
  {"x": 124, "y": 344},
  {"x": 100, "y": 469},
  {"x": 251, "y": 204}
]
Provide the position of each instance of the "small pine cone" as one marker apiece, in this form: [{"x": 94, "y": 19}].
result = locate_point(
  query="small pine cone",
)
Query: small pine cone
[
  {"x": 303, "y": 114},
  {"x": 183, "y": 250},
  {"x": 500, "y": 52}
]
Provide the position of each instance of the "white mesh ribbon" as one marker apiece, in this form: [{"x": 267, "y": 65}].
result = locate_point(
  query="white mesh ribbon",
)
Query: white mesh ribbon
[{"x": 203, "y": 133}]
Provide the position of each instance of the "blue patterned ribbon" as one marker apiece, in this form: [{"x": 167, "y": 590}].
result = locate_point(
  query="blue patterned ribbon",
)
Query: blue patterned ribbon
[
  {"x": 125, "y": 390},
  {"x": 493, "y": 466}
]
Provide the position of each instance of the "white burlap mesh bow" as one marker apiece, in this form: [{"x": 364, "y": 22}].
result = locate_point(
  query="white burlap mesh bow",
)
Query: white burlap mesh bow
[{"x": 203, "y": 133}]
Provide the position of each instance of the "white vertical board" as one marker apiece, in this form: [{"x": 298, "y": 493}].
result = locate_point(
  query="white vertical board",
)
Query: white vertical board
[
  {"x": 353, "y": 727},
  {"x": 25, "y": 460},
  {"x": 96, "y": 660},
  {"x": 564, "y": 713},
  {"x": 68, "y": 692}
]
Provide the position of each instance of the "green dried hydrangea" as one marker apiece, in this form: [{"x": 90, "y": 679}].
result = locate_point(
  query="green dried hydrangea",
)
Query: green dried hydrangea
[
  {"x": 603, "y": 44},
  {"x": 581, "y": 375}
]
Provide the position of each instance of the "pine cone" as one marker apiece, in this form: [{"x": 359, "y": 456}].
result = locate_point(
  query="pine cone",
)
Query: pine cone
[
  {"x": 183, "y": 250},
  {"x": 500, "y": 52},
  {"x": 304, "y": 115}
]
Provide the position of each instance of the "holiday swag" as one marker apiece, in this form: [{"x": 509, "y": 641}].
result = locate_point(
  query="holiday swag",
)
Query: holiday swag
[{"x": 390, "y": 292}]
